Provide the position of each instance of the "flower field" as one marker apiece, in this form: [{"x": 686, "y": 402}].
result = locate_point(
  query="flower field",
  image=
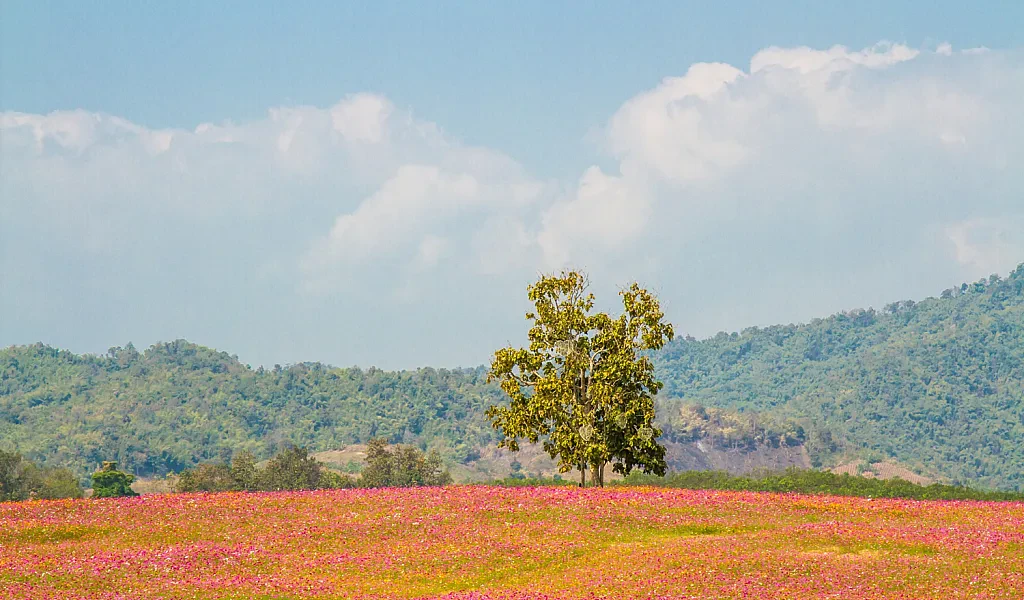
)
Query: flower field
[{"x": 475, "y": 542}]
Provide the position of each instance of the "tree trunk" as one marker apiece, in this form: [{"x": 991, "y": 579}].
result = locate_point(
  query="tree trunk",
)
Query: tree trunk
[{"x": 583, "y": 475}]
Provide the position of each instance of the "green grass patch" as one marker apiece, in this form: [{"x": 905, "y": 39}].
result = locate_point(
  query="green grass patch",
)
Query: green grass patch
[{"x": 50, "y": 534}]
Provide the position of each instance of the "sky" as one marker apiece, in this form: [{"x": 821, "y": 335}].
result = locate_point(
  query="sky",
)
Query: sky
[{"x": 376, "y": 183}]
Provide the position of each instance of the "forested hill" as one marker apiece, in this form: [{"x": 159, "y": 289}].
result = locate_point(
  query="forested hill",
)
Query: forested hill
[
  {"x": 938, "y": 385},
  {"x": 177, "y": 404}
]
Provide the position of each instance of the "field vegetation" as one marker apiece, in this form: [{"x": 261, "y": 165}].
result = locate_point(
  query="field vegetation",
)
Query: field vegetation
[{"x": 481, "y": 542}]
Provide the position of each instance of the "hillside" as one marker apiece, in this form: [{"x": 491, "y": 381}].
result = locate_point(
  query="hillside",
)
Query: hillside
[
  {"x": 936, "y": 386},
  {"x": 177, "y": 404}
]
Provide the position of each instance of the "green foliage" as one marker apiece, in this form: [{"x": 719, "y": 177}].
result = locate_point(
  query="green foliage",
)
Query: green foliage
[
  {"x": 938, "y": 385},
  {"x": 108, "y": 482},
  {"x": 401, "y": 466},
  {"x": 58, "y": 483},
  {"x": 244, "y": 472},
  {"x": 329, "y": 480},
  {"x": 817, "y": 482},
  {"x": 22, "y": 479},
  {"x": 207, "y": 477},
  {"x": 292, "y": 469},
  {"x": 516, "y": 482},
  {"x": 583, "y": 386}
]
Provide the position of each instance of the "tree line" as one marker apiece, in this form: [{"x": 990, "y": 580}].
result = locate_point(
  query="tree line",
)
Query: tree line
[{"x": 294, "y": 469}]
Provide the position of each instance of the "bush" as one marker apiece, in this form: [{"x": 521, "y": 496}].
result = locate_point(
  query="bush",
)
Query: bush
[
  {"x": 292, "y": 469},
  {"x": 60, "y": 483},
  {"x": 329, "y": 480},
  {"x": 244, "y": 472}
]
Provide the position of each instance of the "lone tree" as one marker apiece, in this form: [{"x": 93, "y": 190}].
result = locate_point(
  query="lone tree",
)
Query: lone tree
[{"x": 584, "y": 383}]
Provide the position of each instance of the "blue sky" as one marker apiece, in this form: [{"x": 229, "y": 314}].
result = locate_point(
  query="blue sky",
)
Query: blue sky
[{"x": 367, "y": 184}]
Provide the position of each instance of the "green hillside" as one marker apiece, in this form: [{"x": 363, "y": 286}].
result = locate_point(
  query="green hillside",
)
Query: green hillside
[
  {"x": 937, "y": 385},
  {"x": 177, "y": 404}
]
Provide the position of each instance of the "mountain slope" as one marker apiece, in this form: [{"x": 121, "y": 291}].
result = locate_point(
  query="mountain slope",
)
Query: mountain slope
[{"x": 938, "y": 384}]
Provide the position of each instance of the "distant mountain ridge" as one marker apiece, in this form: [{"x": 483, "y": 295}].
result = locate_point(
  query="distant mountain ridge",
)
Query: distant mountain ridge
[{"x": 936, "y": 385}]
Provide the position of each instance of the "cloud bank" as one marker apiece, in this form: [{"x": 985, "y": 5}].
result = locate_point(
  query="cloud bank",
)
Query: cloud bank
[{"x": 805, "y": 182}]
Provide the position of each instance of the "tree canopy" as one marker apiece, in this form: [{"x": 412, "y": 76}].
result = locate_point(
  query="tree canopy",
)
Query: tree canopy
[
  {"x": 583, "y": 386},
  {"x": 109, "y": 482}
]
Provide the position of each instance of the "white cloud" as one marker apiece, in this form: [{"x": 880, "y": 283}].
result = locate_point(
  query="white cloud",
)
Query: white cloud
[
  {"x": 416, "y": 197},
  {"x": 605, "y": 212},
  {"x": 362, "y": 118},
  {"x": 800, "y": 119}
]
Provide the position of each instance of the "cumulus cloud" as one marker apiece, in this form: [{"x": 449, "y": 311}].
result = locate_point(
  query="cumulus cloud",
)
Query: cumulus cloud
[
  {"x": 806, "y": 181},
  {"x": 820, "y": 135}
]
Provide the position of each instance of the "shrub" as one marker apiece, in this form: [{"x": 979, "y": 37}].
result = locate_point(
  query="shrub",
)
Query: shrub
[{"x": 244, "y": 471}]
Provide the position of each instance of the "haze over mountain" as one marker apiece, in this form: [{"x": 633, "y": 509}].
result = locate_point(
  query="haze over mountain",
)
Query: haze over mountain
[{"x": 937, "y": 385}]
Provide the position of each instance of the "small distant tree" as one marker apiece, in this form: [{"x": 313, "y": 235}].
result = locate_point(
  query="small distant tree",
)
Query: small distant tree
[
  {"x": 402, "y": 466},
  {"x": 59, "y": 483},
  {"x": 108, "y": 482},
  {"x": 207, "y": 477},
  {"x": 291, "y": 469},
  {"x": 10, "y": 476},
  {"x": 584, "y": 384},
  {"x": 379, "y": 465},
  {"x": 244, "y": 471},
  {"x": 329, "y": 480},
  {"x": 22, "y": 479}
]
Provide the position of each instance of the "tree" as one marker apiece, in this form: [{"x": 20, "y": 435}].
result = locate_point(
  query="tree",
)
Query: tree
[
  {"x": 207, "y": 477},
  {"x": 292, "y": 469},
  {"x": 402, "y": 466},
  {"x": 108, "y": 482},
  {"x": 244, "y": 471},
  {"x": 584, "y": 383},
  {"x": 10, "y": 480},
  {"x": 59, "y": 483}
]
